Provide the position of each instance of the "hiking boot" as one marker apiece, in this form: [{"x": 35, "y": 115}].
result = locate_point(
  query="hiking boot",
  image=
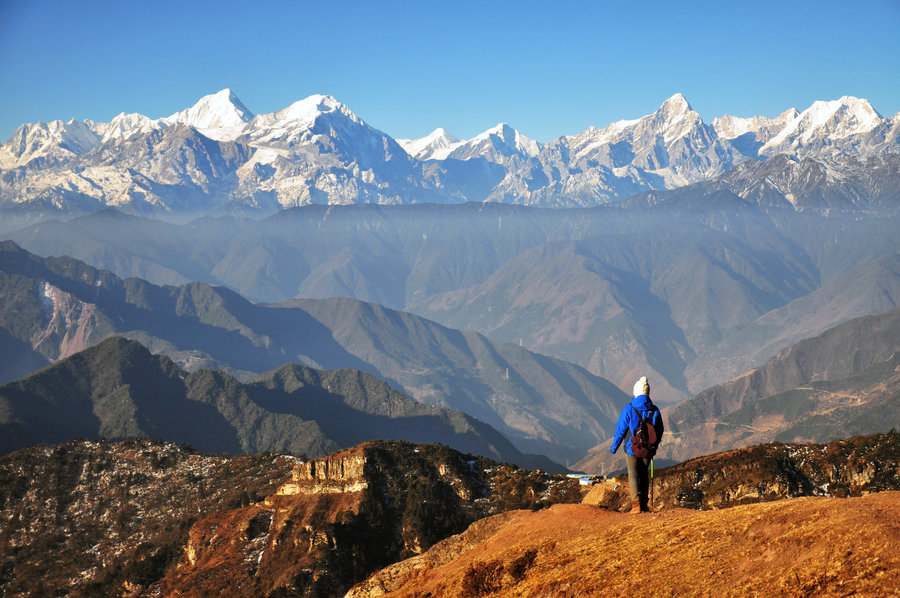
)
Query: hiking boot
[{"x": 635, "y": 508}]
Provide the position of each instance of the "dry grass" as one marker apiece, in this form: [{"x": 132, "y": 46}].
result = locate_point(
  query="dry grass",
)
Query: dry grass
[{"x": 798, "y": 547}]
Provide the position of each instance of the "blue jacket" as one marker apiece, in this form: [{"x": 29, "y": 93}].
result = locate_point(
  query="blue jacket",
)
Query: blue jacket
[{"x": 629, "y": 420}]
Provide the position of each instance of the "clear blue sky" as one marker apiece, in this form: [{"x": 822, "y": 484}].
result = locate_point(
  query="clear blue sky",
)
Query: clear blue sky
[{"x": 547, "y": 68}]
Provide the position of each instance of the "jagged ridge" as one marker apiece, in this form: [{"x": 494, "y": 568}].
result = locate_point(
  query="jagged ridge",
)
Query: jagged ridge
[
  {"x": 218, "y": 155},
  {"x": 118, "y": 390}
]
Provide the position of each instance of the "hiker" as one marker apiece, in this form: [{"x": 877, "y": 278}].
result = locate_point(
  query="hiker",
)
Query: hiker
[{"x": 638, "y": 467}]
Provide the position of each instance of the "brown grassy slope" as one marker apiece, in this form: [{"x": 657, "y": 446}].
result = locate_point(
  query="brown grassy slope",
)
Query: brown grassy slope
[{"x": 797, "y": 547}]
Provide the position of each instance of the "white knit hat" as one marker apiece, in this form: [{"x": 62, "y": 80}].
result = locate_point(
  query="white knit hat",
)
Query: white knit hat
[{"x": 642, "y": 387}]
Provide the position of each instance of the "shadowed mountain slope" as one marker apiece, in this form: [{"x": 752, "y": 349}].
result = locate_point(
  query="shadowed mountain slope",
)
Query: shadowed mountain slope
[
  {"x": 543, "y": 404},
  {"x": 118, "y": 390},
  {"x": 871, "y": 288}
]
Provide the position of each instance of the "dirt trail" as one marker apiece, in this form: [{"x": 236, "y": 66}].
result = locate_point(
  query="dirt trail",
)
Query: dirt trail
[{"x": 797, "y": 547}]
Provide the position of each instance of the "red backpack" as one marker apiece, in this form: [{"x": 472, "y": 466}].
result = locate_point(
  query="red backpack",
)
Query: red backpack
[{"x": 644, "y": 441}]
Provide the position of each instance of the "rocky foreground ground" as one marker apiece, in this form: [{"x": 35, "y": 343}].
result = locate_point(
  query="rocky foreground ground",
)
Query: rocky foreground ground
[
  {"x": 148, "y": 519},
  {"x": 795, "y": 547}
]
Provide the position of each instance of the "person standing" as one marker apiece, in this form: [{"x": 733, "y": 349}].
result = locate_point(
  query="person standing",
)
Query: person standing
[{"x": 638, "y": 468}]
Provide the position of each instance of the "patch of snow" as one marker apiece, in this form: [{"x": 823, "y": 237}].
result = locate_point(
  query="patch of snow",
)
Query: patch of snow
[{"x": 48, "y": 298}]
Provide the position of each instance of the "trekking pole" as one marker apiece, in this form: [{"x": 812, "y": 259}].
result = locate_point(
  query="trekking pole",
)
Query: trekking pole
[{"x": 651, "y": 485}]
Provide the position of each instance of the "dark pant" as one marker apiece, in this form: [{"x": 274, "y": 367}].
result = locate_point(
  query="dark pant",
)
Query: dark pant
[{"x": 638, "y": 478}]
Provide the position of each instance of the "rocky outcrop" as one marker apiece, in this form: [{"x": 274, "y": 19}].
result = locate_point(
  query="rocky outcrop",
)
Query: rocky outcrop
[
  {"x": 72, "y": 325},
  {"x": 342, "y": 472},
  {"x": 341, "y": 517},
  {"x": 853, "y": 467}
]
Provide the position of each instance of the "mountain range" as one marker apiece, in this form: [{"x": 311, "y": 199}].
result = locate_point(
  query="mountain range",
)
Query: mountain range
[
  {"x": 217, "y": 155},
  {"x": 53, "y": 308},
  {"x": 543, "y": 405},
  {"x": 613, "y": 290},
  {"x": 119, "y": 390},
  {"x": 706, "y": 250},
  {"x": 302, "y": 282}
]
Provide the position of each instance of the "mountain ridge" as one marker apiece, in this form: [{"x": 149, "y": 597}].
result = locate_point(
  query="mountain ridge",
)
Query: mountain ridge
[
  {"x": 317, "y": 151},
  {"x": 753, "y": 266},
  {"x": 119, "y": 390},
  {"x": 544, "y": 404}
]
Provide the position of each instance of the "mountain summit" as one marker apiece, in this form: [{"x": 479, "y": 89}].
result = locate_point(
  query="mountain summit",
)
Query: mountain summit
[
  {"x": 220, "y": 116},
  {"x": 823, "y": 123},
  {"x": 436, "y": 145}
]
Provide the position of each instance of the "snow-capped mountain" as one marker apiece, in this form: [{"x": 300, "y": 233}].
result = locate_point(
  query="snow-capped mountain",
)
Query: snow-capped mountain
[
  {"x": 318, "y": 151},
  {"x": 220, "y": 116},
  {"x": 47, "y": 143},
  {"x": 500, "y": 144},
  {"x": 824, "y": 123},
  {"x": 437, "y": 145},
  {"x": 217, "y": 154},
  {"x": 124, "y": 126},
  {"x": 846, "y": 127},
  {"x": 673, "y": 143},
  {"x": 668, "y": 148}
]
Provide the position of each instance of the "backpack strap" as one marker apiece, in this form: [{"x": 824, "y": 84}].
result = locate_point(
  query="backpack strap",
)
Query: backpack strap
[{"x": 640, "y": 418}]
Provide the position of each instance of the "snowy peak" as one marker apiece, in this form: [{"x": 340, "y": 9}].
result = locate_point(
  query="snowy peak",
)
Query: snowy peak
[
  {"x": 676, "y": 105},
  {"x": 502, "y": 131},
  {"x": 435, "y": 146},
  {"x": 54, "y": 139},
  {"x": 124, "y": 126},
  {"x": 731, "y": 127},
  {"x": 297, "y": 119},
  {"x": 673, "y": 111},
  {"x": 502, "y": 139},
  {"x": 220, "y": 116},
  {"x": 675, "y": 118},
  {"x": 306, "y": 111},
  {"x": 832, "y": 120},
  {"x": 315, "y": 116}
]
